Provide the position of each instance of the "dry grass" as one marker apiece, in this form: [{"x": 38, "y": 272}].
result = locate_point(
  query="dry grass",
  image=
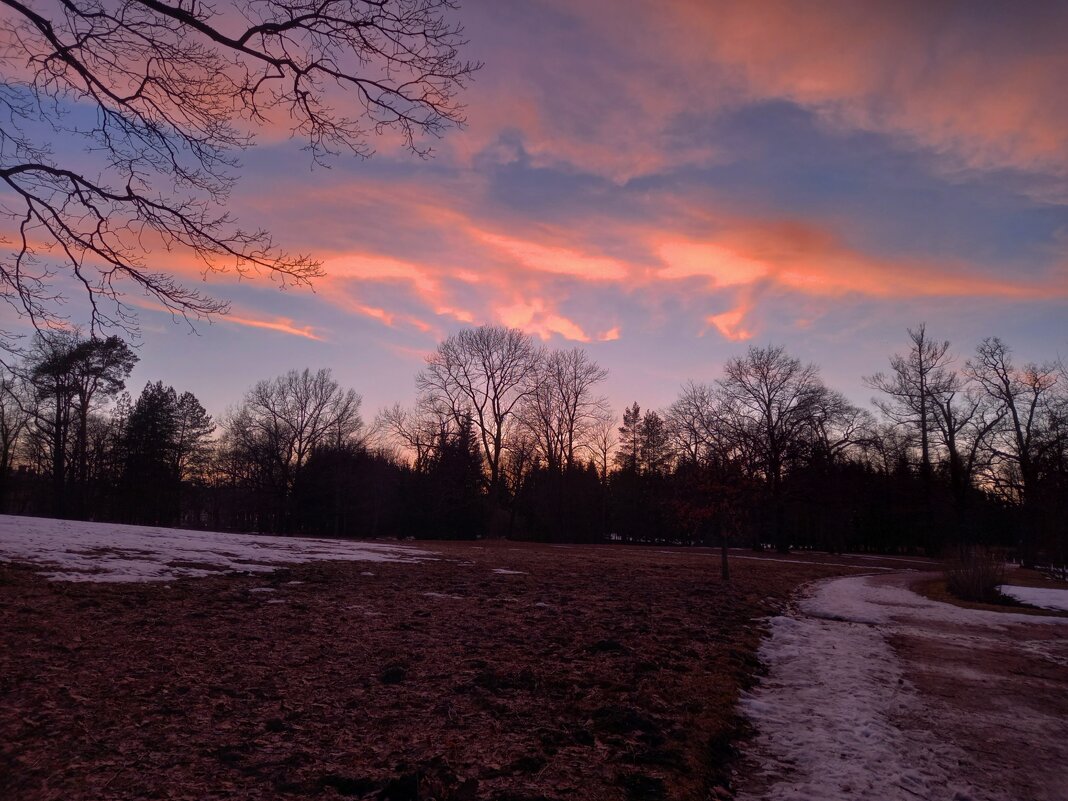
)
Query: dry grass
[
  {"x": 974, "y": 574},
  {"x": 591, "y": 673},
  {"x": 1024, "y": 577}
]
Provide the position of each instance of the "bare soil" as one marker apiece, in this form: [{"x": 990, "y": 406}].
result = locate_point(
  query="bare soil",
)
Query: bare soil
[{"x": 581, "y": 673}]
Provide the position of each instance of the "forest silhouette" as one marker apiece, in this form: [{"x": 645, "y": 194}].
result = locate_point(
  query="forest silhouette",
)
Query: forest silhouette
[{"x": 507, "y": 438}]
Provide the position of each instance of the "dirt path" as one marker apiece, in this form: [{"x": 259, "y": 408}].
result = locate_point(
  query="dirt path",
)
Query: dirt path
[{"x": 875, "y": 692}]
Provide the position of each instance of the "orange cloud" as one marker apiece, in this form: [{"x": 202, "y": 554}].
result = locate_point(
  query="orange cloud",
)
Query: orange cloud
[
  {"x": 807, "y": 258},
  {"x": 536, "y": 318},
  {"x": 730, "y": 324},
  {"x": 283, "y": 325},
  {"x": 685, "y": 259},
  {"x": 756, "y": 257},
  {"x": 554, "y": 259},
  {"x": 751, "y": 255},
  {"x": 929, "y": 73},
  {"x": 368, "y": 268},
  {"x": 458, "y": 259}
]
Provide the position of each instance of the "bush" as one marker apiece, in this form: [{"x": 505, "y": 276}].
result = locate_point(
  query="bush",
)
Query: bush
[{"x": 974, "y": 574}]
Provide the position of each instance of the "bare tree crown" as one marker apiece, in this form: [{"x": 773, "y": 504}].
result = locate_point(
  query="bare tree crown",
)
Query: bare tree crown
[{"x": 120, "y": 121}]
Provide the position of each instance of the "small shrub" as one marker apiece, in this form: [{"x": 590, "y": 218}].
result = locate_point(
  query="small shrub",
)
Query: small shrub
[{"x": 974, "y": 574}]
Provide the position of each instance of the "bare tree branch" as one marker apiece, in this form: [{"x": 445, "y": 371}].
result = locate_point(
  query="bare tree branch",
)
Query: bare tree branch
[{"x": 160, "y": 98}]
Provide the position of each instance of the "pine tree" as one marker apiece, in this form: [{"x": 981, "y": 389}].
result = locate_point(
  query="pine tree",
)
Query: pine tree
[
  {"x": 150, "y": 480},
  {"x": 456, "y": 479},
  {"x": 628, "y": 452},
  {"x": 653, "y": 450},
  {"x": 192, "y": 443}
]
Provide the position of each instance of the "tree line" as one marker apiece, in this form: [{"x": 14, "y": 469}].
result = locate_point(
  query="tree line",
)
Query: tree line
[{"x": 510, "y": 438}]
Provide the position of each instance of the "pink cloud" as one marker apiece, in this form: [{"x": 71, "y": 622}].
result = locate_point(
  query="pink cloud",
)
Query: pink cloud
[
  {"x": 282, "y": 325},
  {"x": 477, "y": 273},
  {"x": 978, "y": 92},
  {"x": 731, "y": 324},
  {"x": 554, "y": 259},
  {"x": 536, "y": 317},
  {"x": 723, "y": 266}
]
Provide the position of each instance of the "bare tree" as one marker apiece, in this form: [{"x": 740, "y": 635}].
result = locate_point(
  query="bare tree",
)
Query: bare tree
[
  {"x": 562, "y": 408},
  {"x": 15, "y": 416},
  {"x": 1021, "y": 396},
  {"x": 965, "y": 418},
  {"x": 770, "y": 401},
  {"x": 694, "y": 424},
  {"x": 602, "y": 442},
  {"x": 917, "y": 379},
  {"x": 282, "y": 421},
  {"x": 418, "y": 431},
  {"x": 484, "y": 372},
  {"x": 161, "y": 96},
  {"x": 837, "y": 425}
]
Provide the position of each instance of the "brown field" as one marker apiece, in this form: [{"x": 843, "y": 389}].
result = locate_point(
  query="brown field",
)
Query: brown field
[{"x": 589, "y": 673}]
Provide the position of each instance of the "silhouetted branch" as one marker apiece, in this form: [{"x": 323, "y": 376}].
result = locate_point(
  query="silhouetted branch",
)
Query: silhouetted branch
[{"x": 172, "y": 92}]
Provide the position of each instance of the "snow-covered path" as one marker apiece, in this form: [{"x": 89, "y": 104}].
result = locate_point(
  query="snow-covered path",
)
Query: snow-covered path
[
  {"x": 875, "y": 692},
  {"x": 69, "y": 550}
]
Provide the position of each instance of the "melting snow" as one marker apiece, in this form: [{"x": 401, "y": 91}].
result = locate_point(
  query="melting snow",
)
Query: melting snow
[
  {"x": 827, "y": 713},
  {"x": 69, "y": 550},
  {"x": 1042, "y": 597}
]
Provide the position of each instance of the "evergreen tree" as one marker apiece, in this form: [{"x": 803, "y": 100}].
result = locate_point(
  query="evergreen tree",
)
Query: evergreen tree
[
  {"x": 164, "y": 444},
  {"x": 150, "y": 479},
  {"x": 628, "y": 451},
  {"x": 455, "y": 482},
  {"x": 653, "y": 451},
  {"x": 192, "y": 438}
]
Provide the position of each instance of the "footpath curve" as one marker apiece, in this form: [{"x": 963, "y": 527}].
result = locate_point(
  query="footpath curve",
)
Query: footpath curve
[{"x": 876, "y": 692}]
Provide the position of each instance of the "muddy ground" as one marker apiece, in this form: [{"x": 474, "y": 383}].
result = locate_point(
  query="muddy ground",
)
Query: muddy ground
[
  {"x": 996, "y": 686},
  {"x": 570, "y": 673}
]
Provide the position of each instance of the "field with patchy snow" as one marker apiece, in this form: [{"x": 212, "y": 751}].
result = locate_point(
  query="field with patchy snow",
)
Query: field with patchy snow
[
  {"x": 144, "y": 662},
  {"x": 455, "y": 671}
]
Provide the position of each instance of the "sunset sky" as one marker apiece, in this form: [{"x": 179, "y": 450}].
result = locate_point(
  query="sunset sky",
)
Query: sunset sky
[{"x": 665, "y": 183}]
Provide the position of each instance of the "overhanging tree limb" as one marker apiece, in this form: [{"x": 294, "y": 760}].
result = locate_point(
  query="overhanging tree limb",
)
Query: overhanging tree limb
[{"x": 172, "y": 93}]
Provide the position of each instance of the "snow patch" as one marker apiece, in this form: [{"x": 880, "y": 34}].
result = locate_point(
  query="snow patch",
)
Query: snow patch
[
  {"x": 1042, "y": 597},
  {"x": 502, "y": 571},
  {"x": 68, "y": 550}
]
